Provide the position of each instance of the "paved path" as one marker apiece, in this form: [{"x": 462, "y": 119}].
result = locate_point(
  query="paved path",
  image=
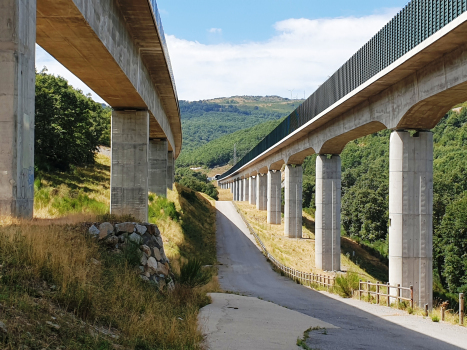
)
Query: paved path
[{"x": 360, "y": 325}]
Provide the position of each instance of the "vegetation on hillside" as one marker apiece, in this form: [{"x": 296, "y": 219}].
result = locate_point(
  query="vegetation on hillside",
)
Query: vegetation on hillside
[
  {"x": 204, "y": 121},
  {"x": 69, "y": 126},
  {"x": 221, "y": 150},
  {"x": 197, "y": 181}
]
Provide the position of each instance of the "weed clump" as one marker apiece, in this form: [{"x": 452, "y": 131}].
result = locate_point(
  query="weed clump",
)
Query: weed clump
[{"x": 346, "y": 284}]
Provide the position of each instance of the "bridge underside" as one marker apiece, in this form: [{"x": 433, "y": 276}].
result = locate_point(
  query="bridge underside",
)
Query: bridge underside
[{"x": 117, "y": 48}]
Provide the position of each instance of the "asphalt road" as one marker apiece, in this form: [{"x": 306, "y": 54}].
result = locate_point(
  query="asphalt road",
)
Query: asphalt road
[{"x": 361, "y": 325}]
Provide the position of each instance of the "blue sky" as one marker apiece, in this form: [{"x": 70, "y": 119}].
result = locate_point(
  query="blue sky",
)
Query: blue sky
[
  {"x": 253, "y": 20},
  {"x": 221, "y": 48}
]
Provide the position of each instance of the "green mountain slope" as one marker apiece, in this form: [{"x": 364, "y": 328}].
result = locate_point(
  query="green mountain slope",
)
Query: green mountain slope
[
  {"x": 204, "y": 121},
  {"x": 220, "y": 151}
]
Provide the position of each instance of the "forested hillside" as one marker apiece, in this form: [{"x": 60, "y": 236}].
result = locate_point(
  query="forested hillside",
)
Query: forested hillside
[
  {"x": 365, "y": 196},
  {"x": 204, "y": 121},
  {"x": 220, "y": 151}
]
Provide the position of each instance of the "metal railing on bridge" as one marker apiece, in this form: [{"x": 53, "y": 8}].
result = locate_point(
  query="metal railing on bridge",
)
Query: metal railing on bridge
[{"x": 416, "y": 22}]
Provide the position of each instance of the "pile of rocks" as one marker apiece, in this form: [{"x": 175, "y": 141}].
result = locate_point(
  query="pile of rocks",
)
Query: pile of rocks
[{"x": 154, "y": 265}]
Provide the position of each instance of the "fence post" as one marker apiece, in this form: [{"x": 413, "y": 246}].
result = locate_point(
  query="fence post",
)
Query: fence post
[
  {"x": 377, "y": 292},
  {"x": 426, "y": 310},
  {"x": 389, "y": 303},
  {"x": 368, "y": 287},
  {"x": 442, "y": 313},
  {"x": 398, "y": 294},
  {"x": 411, "y": 297},
  {"x": 461, "y": 308},
  {"x": 327, "y": 284},
  {"x": 360, "y": 290}
]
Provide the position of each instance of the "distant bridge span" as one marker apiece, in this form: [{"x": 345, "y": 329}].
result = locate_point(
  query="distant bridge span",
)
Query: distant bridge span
[
  {"x": 118, "y": 49},
  {"x": 405, "y": 78}
]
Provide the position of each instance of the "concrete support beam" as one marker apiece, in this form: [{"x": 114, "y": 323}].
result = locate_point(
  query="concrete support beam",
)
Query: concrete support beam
[
  {"x": 158, "y": 153},
  {"x": 17, "y": 92},
  {"x": 328, "y": 213},
  {"x": 293, "y": 201},
  {"x": 129, "y": 171},
  {"x": 274, "y": 197},
  {"x": 411, "y": 213},
  {"x": 234, "y": 190},
  {"x": 246, "y": 189},
  {"x": 170, "y": 170},
  {"x": 252, "y": 190},
  {"x": 261, "y": 191}
]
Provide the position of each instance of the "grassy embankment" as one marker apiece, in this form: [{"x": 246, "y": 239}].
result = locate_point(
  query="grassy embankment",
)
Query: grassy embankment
[{"x": 61, "y": 290}]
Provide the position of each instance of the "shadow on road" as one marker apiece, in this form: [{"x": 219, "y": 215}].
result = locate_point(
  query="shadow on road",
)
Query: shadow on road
[{"x": 245, "y": 270}]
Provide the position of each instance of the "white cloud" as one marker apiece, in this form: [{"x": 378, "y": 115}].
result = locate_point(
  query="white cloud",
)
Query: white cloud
[
  {"x": 43, "y": 59},
  {"x": 215, "y": 30},
  {"x": 300, "y": 56}
]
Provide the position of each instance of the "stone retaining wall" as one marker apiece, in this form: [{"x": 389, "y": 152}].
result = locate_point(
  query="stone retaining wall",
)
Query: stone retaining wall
[{"x": 154, "y": 264}]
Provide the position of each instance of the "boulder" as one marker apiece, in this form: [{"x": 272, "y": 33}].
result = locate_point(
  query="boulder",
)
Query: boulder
[
  {"x": 3, "y": 328},
  {"x": 144, "y": 259},
  {"x": 106, "y": 227},
  {"x": 157, "y": 254},
  {"x": 125, "y": 227},
  {"x": 152, "y": 265},
  {"x": 144, "y": 278},
  {"x": 162, "y": 269},
  {"x": 111, "y": 241},
  {"x": 93, "y": 230},
  {"x": 153, "y": 230},
  {"x": 164, "y": 257},
  {"x": 146, "y": 250},
  {"x": 141, "y": 229},
  {"x": 135, "y": 238}
]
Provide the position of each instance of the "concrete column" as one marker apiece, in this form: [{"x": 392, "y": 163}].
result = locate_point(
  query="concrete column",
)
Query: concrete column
[
  {"x": 234, "y": 190},
  {"x": 17, "y": 92},
  {"x": 274, "y": 197},
  {"x": 328, "y": 213},
  {"x": 170, "y": 170},
  {"x": 261, "y": 191},
  {"x": 253, "y": 190},
  {"x": 129, "y": 171},
  {"x": 240, "y": 190},
  {"x": 246, "y": 189},
  {"x": 293, "y": 201},
  {"x": 411, "y": 213},
  {"x": 158, "y": 153}
]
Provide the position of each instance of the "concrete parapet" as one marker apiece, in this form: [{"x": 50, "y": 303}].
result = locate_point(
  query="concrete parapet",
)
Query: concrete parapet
[
  {"x": 246, "y": 189},
  {"x": 274, "y": 197},
  {"x": 261, "y": 191},
  {"x": 158, "y": 169},
  {"x": 293, "y": 201},
  {"x": 411, "y": 213},
  {"x": 328, "y": 213},
  {"x": 253, "y": 190},
  {"x": 17, "y": 91},
  {"x": 129, "y": 171}
]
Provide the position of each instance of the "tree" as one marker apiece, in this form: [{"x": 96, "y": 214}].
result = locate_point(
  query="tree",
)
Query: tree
[{"x": 68, "y": 125}]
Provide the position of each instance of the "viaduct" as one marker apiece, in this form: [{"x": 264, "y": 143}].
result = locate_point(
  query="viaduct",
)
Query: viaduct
[
  {"x": 404, "y": 79},
  {"x": 118, "y": 49}
]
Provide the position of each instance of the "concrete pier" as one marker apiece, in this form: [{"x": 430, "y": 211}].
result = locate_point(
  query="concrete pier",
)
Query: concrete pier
[
  {"x": 246, "y": 189},
  {"x": 411, "y": 213},
  {"x": 253, "y": 190},
  {"x": 129, "y": 171},
  {"x": 234, "y": 190},
  {"x": 17, "y": 92},
  {"x": 328, "y": 213},
  {"x": 293, "y": 201},
  {"x": 170, "y": 170},
  {"x": 274, "y": 197},
  {"x": 240, "y": 190},
  {"x": 261, "y": 191},
  {"x": 158, "y": 170}
]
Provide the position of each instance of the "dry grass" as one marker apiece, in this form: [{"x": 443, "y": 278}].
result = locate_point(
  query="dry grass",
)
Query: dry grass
[
  {"x": 97, "y": 286},
  {"x": 296, "y": 253},
  {"x": 225, "y": 195}
]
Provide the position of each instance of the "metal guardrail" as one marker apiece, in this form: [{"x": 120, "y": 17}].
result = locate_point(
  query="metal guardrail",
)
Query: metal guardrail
[
  {"x": 305, "y": 278},
  {"x": 416, "y": 22}
]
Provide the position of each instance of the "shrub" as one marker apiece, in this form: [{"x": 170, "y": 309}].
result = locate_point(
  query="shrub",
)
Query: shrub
[
  {"x": 192, "y": 274},
  {"x": 346, "y": 284}
]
